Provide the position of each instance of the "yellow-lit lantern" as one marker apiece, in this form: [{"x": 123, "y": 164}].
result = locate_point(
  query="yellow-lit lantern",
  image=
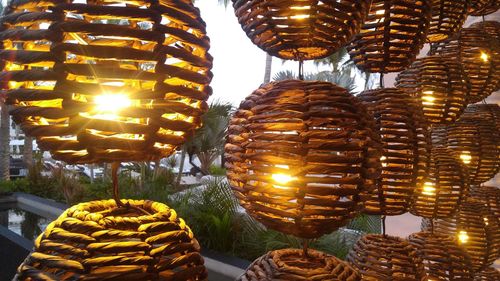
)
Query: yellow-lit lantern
[
  {"x": 299, "y": 154},
  {"x": 301, "y": 30},
  {"x": 448, "y": 17},
  {"x": 490, "y": 195},
  {"x": 440, "y": 84},
  {"x": 406, "y": 149},
  {"x": 105, "y": 81}
]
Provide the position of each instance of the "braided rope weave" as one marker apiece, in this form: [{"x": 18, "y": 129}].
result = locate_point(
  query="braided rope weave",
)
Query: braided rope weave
[
  {"x": 444, "y": 188},
  {"x": 483, "y": 7},
  {"x": 441, "y": 85},
  {"x": 385, "y": 258},
  {"x": 489, "y": 274},
  {"x": 482, "y": 230},
  {"x": 448, "y": 17},
  {"x": 442, "y": 257},
  {"x": 479, "y": 54},
  {"x": 291, "y": 265},
  {"x": 406, "y": 149},
  {"x": 301, "y": 29},
  {"x": 107, "y": 80},
  {"x": 299, "y": 154},
  {"x": 392, "y": 35},
  {"x": 97, "y": 241}
]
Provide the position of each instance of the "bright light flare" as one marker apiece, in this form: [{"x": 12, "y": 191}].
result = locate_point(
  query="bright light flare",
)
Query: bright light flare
[
  {"x": 429, "y": 189},
  {"x": 485, "y": 57},
  {"x": 463, "y": 237},
  {"x": 282, "y": 178},
  {"x": 111, "y": 103},
  {"x": 427, "y": 98},
  {"x": 466, "y": 157}
]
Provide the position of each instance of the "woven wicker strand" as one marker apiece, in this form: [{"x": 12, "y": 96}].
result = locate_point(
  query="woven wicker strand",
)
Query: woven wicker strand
[
  {"x": 300, "y": 29},
  {"x": 490, "y": 195},
  {"x": 442, "y": 257},
  {"x": 392, "y": 35},
  {"x": 299, "y": 154},
  {"x": 107, "y": 80},
  {"x": 477, "y": 229},
  {"x": 291, "y": 265},
  {"x": 484, "y": 112},
  {"x": 444, "y": 189},
  {"x": 97, "y": 241},
  {"x": 406, "y": 149},
  {"x": 441, "y": 86},
  {"x": 489, "y": 274},
  {"x": 385, "y": 258},
  {"x": 483, "y": 7},
  {"x": 448, "y": 17},
  {"x": 478, "y": 52},
  {"x": 492, "y": 28}
]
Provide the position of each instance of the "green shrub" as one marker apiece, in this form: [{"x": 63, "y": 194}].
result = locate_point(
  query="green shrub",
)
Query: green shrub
[{"x": 217, "y": 170}]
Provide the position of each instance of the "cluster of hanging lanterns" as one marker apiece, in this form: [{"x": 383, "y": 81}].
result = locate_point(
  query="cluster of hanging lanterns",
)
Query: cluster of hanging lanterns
[{"x": 302, "y": 157}]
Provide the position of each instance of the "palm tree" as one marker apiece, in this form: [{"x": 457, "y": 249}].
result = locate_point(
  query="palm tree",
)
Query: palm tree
[
  {"x": 28, "y": 151},
  {"x": 4, "y": 141},
  {"x": 342, "y": 79}
]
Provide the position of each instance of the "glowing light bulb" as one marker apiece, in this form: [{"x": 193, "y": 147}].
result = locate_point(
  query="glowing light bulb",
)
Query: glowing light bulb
[
  {"x": 382, "y": 159},
  {"x": 485, "y": 57},
  {"x": 109, "y": 103},
  {"x": 429, "y": 189},
  {"x": 300, "y": 17},
  {"x": 463, "y": 237},
  {"x": 282, "y": 178},
  {"x": 300, "y": 7},
  {"x": 427, "y": 98},
  {"x": 466, "y": 157},
  {"x": 486, "y": 221}
]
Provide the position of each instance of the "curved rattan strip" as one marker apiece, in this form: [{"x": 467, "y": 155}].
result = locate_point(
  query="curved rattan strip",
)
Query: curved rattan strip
[
  {"x": 290, "y": 264},
  {"x": 479, "y": 54},
  {"x": 489, "y": 274},
  {"x": 443, "y": 190},
  {"x": 98, "y": 241},
  {"x": 485, "y": 112},
  {"x": 490, "y": 195},
  {"x": 298, "y": 155},
  {"x": 406, "y": 149},
  {"x": 61, "y": 58},
  {"x": 441, "y": 86},
  {"x": 298, "y": 29},
  {"x": 492, "y": 28},
  {"x": 392, "y": 35},
  {"x": 448, "y": 17},
  {"x": 483, "y": 7},
  {"x": 442, "y": 257},
  {"x": 384, "y": 258},
  {"x": 480, "y": 229}
]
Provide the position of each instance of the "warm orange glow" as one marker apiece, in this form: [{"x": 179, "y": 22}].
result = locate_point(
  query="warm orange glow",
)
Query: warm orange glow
[
  {"x": 109, "y": 103},
  {"x": 300, "y": 17},
  {"x": 485, "y": 57},
  {"x": 486, "y": 221},
  {"x": 429, "y": 189},
  {"x": 382, "y": 159},
  {"x": 427, "y": 98},
  {"x": 466, "y": 157},
  {"x": 282, "y": 178},
  {"x": 380, "y": 12},
  {"x": 463, "y": 237}
]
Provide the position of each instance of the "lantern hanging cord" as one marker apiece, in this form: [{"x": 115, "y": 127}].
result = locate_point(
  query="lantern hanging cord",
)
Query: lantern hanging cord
[
  {"x": 381, "y": 82},
  {"x": 305, "y": 248},
  {"x": 116, "y": 194},
  {"x": 382, "y": 219},
  {"x": 301, "y": 70},
  {"x": 432, "y": 225}
]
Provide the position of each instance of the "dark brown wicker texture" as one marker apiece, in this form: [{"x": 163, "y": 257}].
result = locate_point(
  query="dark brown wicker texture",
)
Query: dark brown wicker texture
[
  {"x": 479, "y": 54},
  {"x": 299, "y": 154},
  {"x": 477, "y": 229},
  {"x": 448, "y": 17},
  {"x": 406, "y": 149},
  {"x": 98, "y": 241},
  {"x": 483, "y": 7},
  {"x": 442, "y": 257},
  {"x": 490, "y": 195},
  {"x": 440, "y": 84},
  {"x": 392, "y": 35},
  {"x": 385, "y": 258},
  {"x": 475, "y": 142},
  {"x": 484, "y": 112},
  {"x": 491, "y": 27},
  {"x": 291, "y": 265},
  {"x": 489, "y": 274},
  {"x": 298, "y": 29},
  {"x": 108, "y": 80},
  {"x": 444, "y": 188}
]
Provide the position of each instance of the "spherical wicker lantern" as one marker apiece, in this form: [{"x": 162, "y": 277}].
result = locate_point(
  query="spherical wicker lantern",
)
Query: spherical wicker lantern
[
  {"x": 384, "y": 258},
  {"x": 491, "y": 27},
  {"x": 479, "y": 54},
  {"x": 448, "y": 17},
  {"x": 291, "y": 264},
  {"x": 489, "y": 274},
  {"x": 108, "y": 80},
  {"x": 299, "y": 154},
  {"x": 477, "y": 230},
  {"x": 444, "y": 188},
  {"x": 474, "y": 142},
  {"x": 442, "y": 257},
  {"x": 98, "y": 241},
  {"x": 300, "y": 30},
  {"x": 392, "y": 35},
  {"x": 484, "y": 113},
  {"x": 490, "y": 195},
  {"x": 483, "y": 7},
  {"x": 406, "y": 149},
  {"x": 440, "y": 84}
]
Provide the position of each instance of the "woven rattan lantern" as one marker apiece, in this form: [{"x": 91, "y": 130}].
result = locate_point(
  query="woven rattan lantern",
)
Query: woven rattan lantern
[
  {"x": 392, "y": 35},
  {"x": 490, "y": 195},
  {"x": 444, "y": 188},
  {"x": 385, "y": 258},
  {"x": 300, "y": 30},
  {"x": 299, "y": 154},
  {"x": 406, "y": 149},
  {"x": 98, "y": 241},
  {"x": 440, "y": 84},
  {"x": 477, "y": 230},
  {"x": 489, "y": 274},
  {"x": 483, "y": 7},
  {"x": 491, "y": 27},
  {"x": 479, "y": 54},
  {"x": 291, "y": 264},
  {"x": 484, "y": 113},
  {"x": 442, "y": 257},
  {"x": 108, "y": 80},
  {"x": 448, "y": 17}
]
